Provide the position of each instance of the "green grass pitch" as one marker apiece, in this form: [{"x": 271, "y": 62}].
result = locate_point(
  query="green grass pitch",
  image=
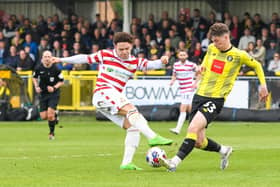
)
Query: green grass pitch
[{"x": 87, "y": 152}]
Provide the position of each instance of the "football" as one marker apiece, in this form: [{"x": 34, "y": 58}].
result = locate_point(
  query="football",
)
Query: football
[{"x": 152, "y": 156}]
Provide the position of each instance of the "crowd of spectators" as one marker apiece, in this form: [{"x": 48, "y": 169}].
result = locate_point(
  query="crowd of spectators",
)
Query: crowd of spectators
[{"x": 22, "y": 40}]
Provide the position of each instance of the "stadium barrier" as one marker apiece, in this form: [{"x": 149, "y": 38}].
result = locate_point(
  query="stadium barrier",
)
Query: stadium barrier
[{"x": 76, "y": 93}]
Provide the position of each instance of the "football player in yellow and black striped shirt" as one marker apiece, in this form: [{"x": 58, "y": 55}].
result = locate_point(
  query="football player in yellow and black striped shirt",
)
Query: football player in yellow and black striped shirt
[{"x": 219, "y": 70}]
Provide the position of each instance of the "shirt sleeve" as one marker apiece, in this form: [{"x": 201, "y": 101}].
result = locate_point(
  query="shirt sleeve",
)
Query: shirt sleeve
[
  {"x": 60, "y": 76},
  {"x": 83, "y": 58},
  {"x": 35, "y": 74},
  {"x": 154, "y": 64},
  {"x": 251, "y": 62}
]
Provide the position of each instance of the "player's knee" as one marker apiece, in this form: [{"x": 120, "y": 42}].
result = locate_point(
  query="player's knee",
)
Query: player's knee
[
  {"x": 134, "y": 116},
  {"x": 198, "y": 143},
  {"x": 193, "y": 129},
  {"x": 51, "y": 117},
  {"x": 43, "y": 116}
]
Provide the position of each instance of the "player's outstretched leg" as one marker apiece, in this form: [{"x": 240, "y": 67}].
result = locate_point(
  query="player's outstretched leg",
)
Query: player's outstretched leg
[
  {"x": 131, "y": 143},
  {"x": 52, "y": 127},
  {"x": 225, "y": 154},
  {"x": 225, "y": 151},
  {"x": 180, "y": 123},
  {"x": 138, "y": 121}
]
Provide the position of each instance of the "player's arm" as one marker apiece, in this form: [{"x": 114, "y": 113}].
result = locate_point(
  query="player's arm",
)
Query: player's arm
[
  {"x": 157, "y": 64},
  {"x": 251, "y": 62},
  {"x": 58, "y": 84},
  {"x": 79, "y": 59},
  {"x": 197, "y": 70},
  {"x": 173, "y": 78},
  {"x": 35, "y": 82}
]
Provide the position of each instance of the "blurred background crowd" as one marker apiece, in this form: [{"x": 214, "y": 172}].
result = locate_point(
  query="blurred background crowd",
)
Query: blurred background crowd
[{"x": 23, "y": 40}]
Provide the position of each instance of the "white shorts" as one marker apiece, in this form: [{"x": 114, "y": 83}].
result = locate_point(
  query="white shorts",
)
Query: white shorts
[
  {"x": 109, "y": 102},
  {"x": 186, "y": 98}
]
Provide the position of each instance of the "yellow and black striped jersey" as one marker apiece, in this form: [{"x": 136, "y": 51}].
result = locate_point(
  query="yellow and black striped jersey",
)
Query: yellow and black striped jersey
[{"x": 221, "y": 70}]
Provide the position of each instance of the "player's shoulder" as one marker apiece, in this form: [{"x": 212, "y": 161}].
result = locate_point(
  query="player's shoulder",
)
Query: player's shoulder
[{"x": 106, "y": 52}]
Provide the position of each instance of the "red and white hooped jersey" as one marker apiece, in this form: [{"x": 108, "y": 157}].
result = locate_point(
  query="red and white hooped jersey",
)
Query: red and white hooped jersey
[
  {"x": 185, "y": 73},
  {"x": 114, "y": 71}
]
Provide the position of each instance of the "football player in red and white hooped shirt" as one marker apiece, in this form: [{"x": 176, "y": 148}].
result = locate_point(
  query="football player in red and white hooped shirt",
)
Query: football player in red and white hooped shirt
[
  {"x": 115, "y": 68},
  {"x": 184, "y": 71}
]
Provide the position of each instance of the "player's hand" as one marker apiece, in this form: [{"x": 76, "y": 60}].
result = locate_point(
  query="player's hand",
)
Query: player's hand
[
  {"x": 50, "y": 89},
  {"x": 171, "y": 83},
  {"x": 263, "y": 93},
  {"x": 164, "y": 59},
  {"x": 38, "y": 89},
  {"x": 55, "y": 60}
]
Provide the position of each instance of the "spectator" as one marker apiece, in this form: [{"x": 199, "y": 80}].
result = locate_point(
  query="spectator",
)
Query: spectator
[
  {"x": 65, "y": 66},
  {"x": 153, "y": 49},
  {"x": 151, "y": 26},
  {"x": 17, "y": 41},
  {"x": 109, "y": 41},
  {"x": 97, "y": 38},
  {"x": 11, "y": 60},
  {"x": 278, "y": 37},
  {"x": 212, "y": 18},
  {"x": 56, "y": 51},
  {"x": 259, "y": 53},
  {"x": 137, "y": 47},
  {"x": 190, "y": 39},
  {"x": 86, "y": 39},
  {"x": 235, "y": 31},
  {"x": 181, "y": 46},
  {"x": 3, "y": 52},
  {"x": 274, "y": 65},
  {"x": 270, "y": 52},
  {"x": 53, "y": 33},
  {"x": 24, "y": 62},
  {"x": 181, "y": 25},
  {"x": 159, "y": 39},
  {"x": 10, "y": 30},
  {"x": 258, "y": 24},
  {"x": 265, "y": 37},
  {"x": 275, "y": 18},
  {"x": 42, "y": 26},
  {"x": 165, "y": 27},
  {"x": 66, "y": 41},
  {"x": 171, "y": 61},
  {"x": 245, "y": 39},
  {"x": 227, "y": 19},
  {"x": 97, "y": 22},
  {"x": 205, "y": 42},
  {"x": 197, "y": 19},
  {"x": 201, "y": 32},
  {"x": 33, "y": 45},
  {"x": 272, "y": 31},
  {"x": 167, "y": 47},
  {"x": 196, "y": 54},
  {"x": 27, "y": 51},
  {"x": 173, "y": 38},
  {"x": 43, "y": 47}
]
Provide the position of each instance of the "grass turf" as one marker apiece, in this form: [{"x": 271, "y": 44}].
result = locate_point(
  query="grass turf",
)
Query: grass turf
[{"x": 87, "y": 152}]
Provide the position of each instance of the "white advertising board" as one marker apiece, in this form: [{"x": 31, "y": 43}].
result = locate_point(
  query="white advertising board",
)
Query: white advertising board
[{"x": 158, "y": 92}]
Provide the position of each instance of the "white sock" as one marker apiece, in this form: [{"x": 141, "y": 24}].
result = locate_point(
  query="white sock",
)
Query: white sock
[
  {"x": 138, "y": 121},
  {"x": 181, "y": 120},
  {"x": 176, "y": 160},
  {"x": 223, "y": 149},
  {"x": 131, "y": 143}
]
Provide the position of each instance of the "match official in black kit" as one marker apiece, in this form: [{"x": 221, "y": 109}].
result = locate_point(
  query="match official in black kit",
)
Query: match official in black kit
[{"x": 47, "y": 80}]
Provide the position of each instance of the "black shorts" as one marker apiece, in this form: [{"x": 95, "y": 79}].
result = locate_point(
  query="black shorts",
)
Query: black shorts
[
  {"x": 48, "y": 100},
  {"x": 209, "y": 107}
]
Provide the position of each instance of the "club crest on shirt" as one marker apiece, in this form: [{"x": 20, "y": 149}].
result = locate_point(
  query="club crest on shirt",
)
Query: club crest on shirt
[
  {"x": 229, "y": 58},
  {"x": 51, "y": 79}
]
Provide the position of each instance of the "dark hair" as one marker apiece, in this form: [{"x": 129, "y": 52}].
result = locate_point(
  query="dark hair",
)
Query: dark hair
[
  {"x": 218, "y": 29},
  {"x": 122, "y": 37}
]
